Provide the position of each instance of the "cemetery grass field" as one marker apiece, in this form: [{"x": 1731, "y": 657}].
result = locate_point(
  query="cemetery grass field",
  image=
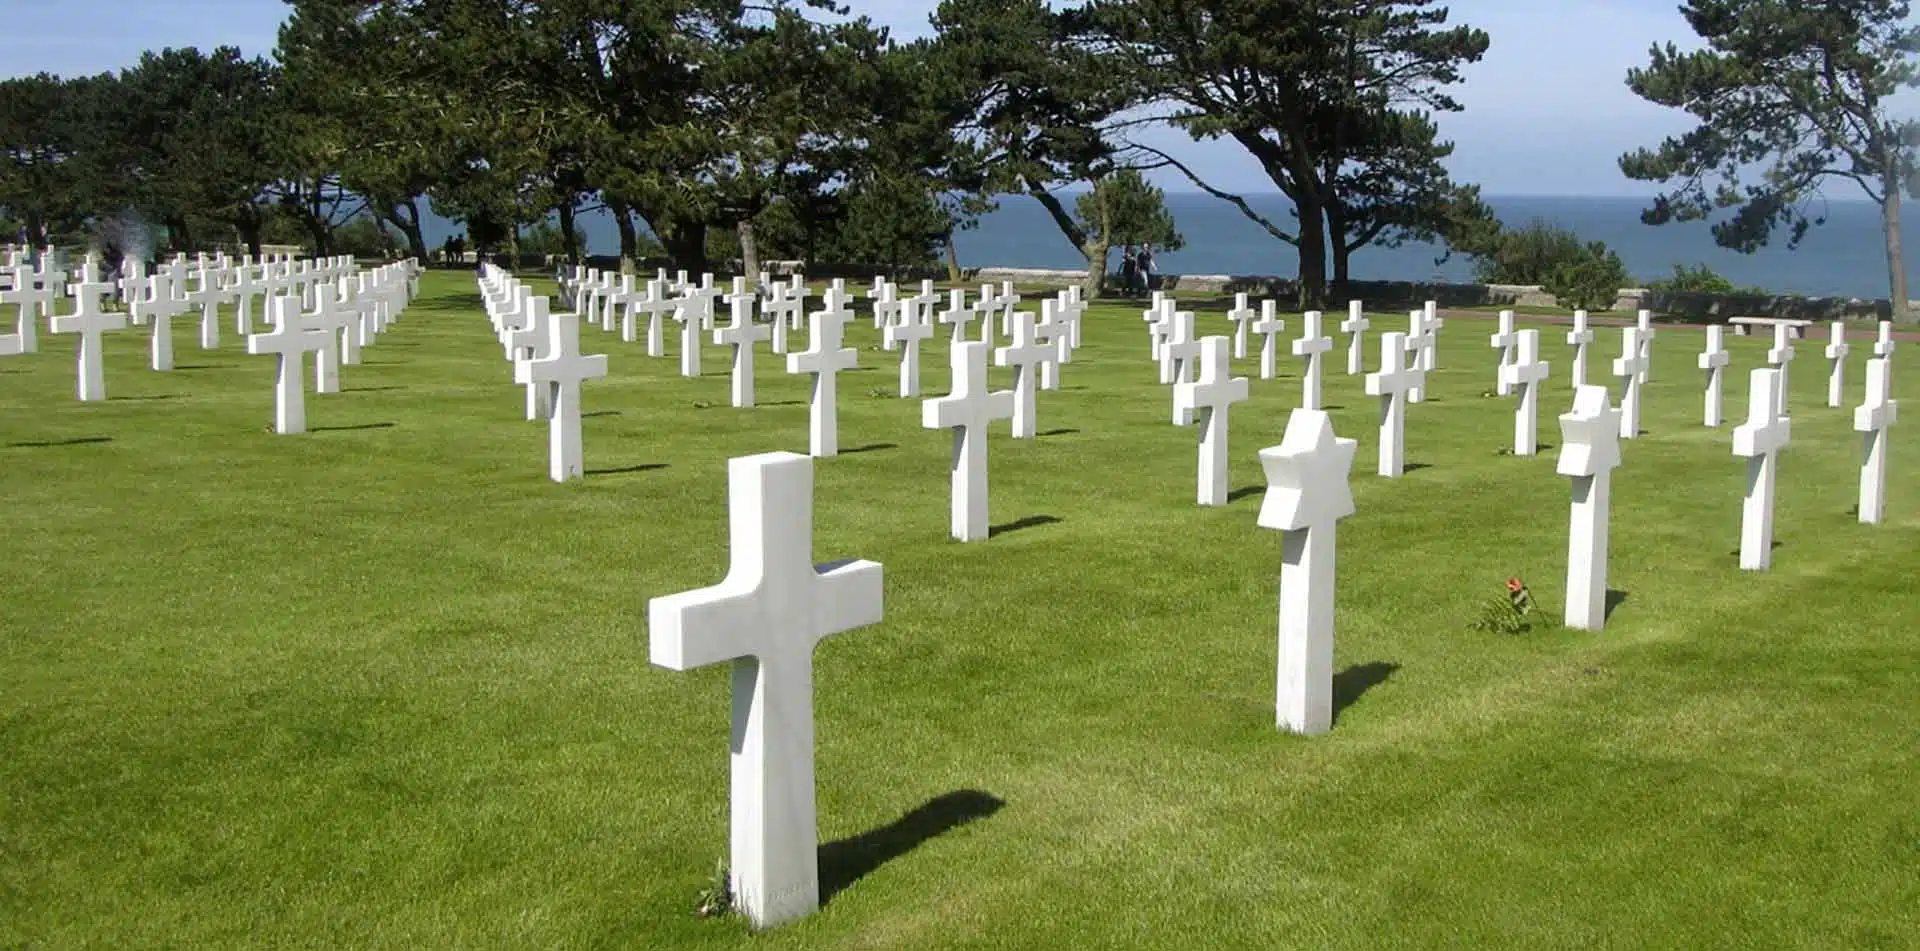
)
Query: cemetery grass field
[{"x": 383, "y": 685}]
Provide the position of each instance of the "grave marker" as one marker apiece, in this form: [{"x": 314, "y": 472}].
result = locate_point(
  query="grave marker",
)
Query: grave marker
[
  {"x": 1714, "y": 360},
  {"x": 1872, "y": 419},
  {"x": 825, "y": 359},
  {"x": 1578, "y": 338},
  {"x": 1210, "y": 398},
  {"x": 968, "y": 411},
  {"x": 1524, "y": 376},
  {"x": 1837, "y": 351},
  {"x": 1627, "y": 370},
  {"x": 1644, "y": 322},
  {"x": 1025, "y": 355},
  {"x": 1589, "y": 452},
  {"x": 289, "y": 340},
  {"x": 1312, "y": 346},
  {"x": 89, "y": 320},
  {"x": 1392, "y": 384},
  {"x": 1504, "y": 341},
  {"x": 1780, "y": 357},
  {"x": 1269, "y": 327},
  {"x": 1308, "y": 493},
  {"x": 1355, "y": 326},
  {"x": 766, "y": 617},
  {"x": 906, "y": 336},
  {"x": 1759, "y": 440},
  {"x": 1242, "y": 317},
  {"x": 563, "y": 368},
  {"x": 740, "y": 335}
]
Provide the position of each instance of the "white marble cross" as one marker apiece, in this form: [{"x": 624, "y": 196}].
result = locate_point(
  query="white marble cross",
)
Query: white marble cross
[
  {"x": 957, "y": 315},
  {"x": 1355, "y": 327},
  {"x": 1181, "y": 349},
  {"x": 1308, "y": 493},
  {"x": 53, "y": 283},
  {"x": 657, "y": 303},
  {"x": 563, "y": 368},
  {"x": 206, "y": 296},
  {"x": 1837, "y": 351},
  {"x": 1589, "y": 452},
  {"x": 1242, "y": 317},
  {"x": 1054, "y": 333},
  {"x": 1871, "y": 419},
  {"x": 1504, "y": 341},
  {"x": 1208, "y": 401},
  {"x": 774, "y": 606},
  {"x": 1524, "y": 376},
  {"x": 1419, "y": 336},
  {"x": 1392, "y": 384},
  {"x": 1578, "y": 338},
  {"x": 886, "y": 306},
  {"x": 89, "y": 319},
  {"x": 785, "y": 306},
  {"x": 1627, "y": 370},
  {"x": 740, "y": 335},
  {"x": 1072, "y": 308},
  {"x": 533, "y": 341},
  {"x": 290, "y": 340},
  {"x": 157, "y": 308},
  {"x": 1157, "y": 315},
  {"x": 906, "y": 335},
  {"x": 247, "y": 285},
  {"x": 1430, "y": 326},
  {"x": 1780, "y": 357},
  {"x": 329, "y": 317},
  {"x": 968, "y": 411},
  {"x": 1883, "y": 346},
  {"x": 625, "y": 299},
  {"x": 1714, "y": 360},
  {"x": 825, "y": 359},
  {"x": 27, "y": 295},
  {"x": 1025, "y": 355},
  {"x": 1313, "y": 346},
  {"x": 1003, "y": 303},
  {"x": 1759, "y": 440},
  {"x": 1644, "y": 322},
  {"x": 688, "y": 312},
  {"x": 133, "y": 277},
  {"x": 1269, "y": 327}
]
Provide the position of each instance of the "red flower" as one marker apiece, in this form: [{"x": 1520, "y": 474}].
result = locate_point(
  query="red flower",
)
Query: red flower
[{"x": 1514, "y": 585}]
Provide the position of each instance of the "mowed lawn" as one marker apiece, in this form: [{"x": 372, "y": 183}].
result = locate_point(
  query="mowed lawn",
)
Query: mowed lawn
[{"x": 383, "y": 685}]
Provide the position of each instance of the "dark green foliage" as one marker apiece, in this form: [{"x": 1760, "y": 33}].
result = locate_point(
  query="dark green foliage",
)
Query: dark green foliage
[
  {"x": 1579, "y": 274},
  {"x": 1699, "y": 279},
  {"x": 1590, "y": 280},
  {"x": 1122, "y": 208},
  {"x": 545, "y": 238},
  {"x": 1789, "y": 96}
]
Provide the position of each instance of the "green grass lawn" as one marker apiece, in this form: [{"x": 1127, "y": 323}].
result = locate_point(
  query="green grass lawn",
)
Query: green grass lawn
[{"x": 384, "y": 686}]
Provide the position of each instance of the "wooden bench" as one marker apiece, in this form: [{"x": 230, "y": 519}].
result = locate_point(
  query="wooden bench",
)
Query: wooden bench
[{"x": 1743, "y": 326}]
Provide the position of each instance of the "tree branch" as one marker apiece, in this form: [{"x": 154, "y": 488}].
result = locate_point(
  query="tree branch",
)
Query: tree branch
[{"x": 1235, "y": 200}]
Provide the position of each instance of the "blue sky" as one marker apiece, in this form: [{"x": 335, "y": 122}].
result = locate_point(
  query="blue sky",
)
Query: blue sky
[{"x": 1547, "y": 112}]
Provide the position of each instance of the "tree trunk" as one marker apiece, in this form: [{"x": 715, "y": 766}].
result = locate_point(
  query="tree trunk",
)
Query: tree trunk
[
  {"x": 1313, "y": 254},
  {"x": 629, "y": 239},
  {"x": 1337, "y": 244},
  {"x": 749, "y": 254},
  {"x": 954, "y": 276},
  {"x": 1095, "y": 283},
  {"x": 1896, "y": 257},
  {"x": 182, "y": 236},
  {"x": 409, "y": 225},
  {"x": 569, "y": 242},
  {"x": 686, "y": 244},
  {"x": 250, "y": 223}
]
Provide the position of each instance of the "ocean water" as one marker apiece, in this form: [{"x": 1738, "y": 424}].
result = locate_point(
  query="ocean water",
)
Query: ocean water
[{"x": 1844, "y": 257}]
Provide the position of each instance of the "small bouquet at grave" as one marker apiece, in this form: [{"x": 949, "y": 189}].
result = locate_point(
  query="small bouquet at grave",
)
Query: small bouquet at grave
[{"x": 1507, "y": 614}]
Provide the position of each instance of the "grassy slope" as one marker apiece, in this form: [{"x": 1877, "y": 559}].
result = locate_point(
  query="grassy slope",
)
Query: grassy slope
[{"x": 388, "y": 687}]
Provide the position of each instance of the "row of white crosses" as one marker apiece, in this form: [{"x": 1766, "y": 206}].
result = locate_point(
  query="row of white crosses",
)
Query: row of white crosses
[
  {"x": 347, "y": 314},
  {"x": 544, "y": 349},
  {"x": 776, "y": 604}
]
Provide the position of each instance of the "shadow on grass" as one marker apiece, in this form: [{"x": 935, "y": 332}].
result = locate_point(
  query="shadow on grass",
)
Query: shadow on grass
[
  {"x": 849, "y": 860},
  {"x": 1773, "y": 547},
  {"x": 784, "y": 403},
  {"x": 1416, "y": 466},
  {"x": 870, "y": 447},
  {"x": 204, "y": 366},
  {"x": 51, "y": 443},
  {"x": 371, "y": 389},
  {"x": 156, "y": 396},
  {"x": 348, "y": 429},
  {"x": 1350, "y": 684},
  {"x": 1031, "y": 521},
  {"x": 1615, "y": 598},
  {"x": 1244, "y": 491},
  {"x": 623, "y": 470},
  {"x": 1058, "y": 432},
  {"x": 600, "y": 412}
]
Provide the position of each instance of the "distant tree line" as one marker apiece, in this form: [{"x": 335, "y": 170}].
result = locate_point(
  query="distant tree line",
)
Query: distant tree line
[{"x": 739, "y": 131}]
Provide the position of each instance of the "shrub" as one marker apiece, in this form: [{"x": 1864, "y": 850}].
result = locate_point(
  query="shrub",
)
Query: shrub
[
  {"x": 1590, "y": 280},
  {"x": 1698, "y": 279}
]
